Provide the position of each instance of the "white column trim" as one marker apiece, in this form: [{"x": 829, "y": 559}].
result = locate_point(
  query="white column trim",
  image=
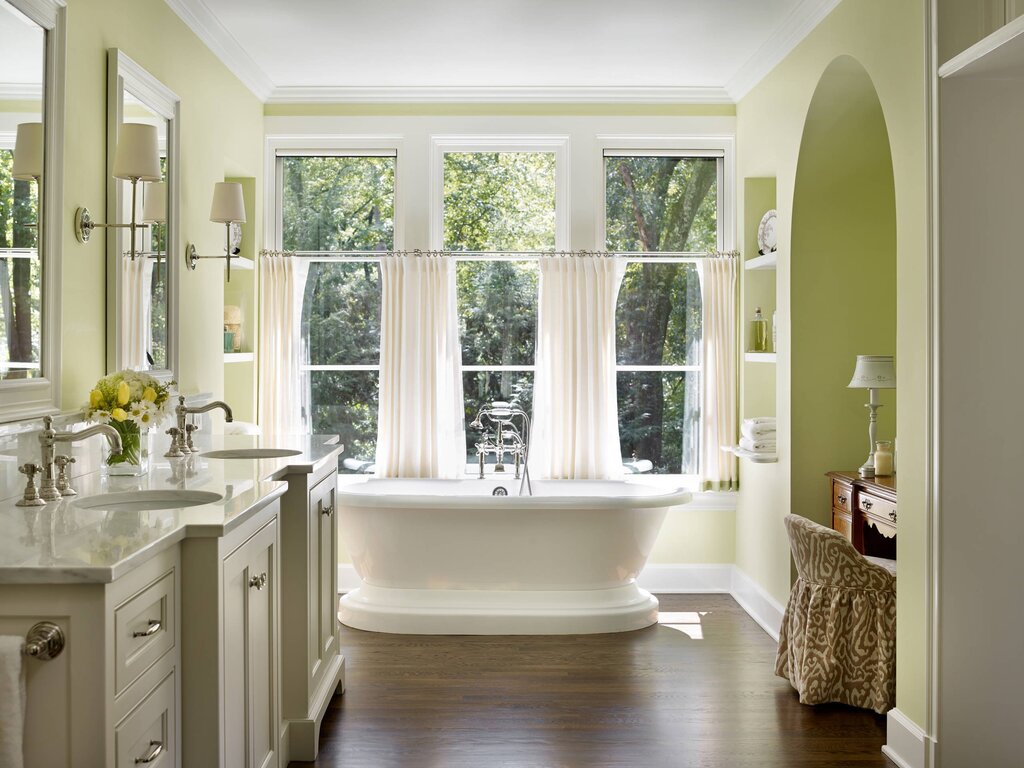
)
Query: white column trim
[{"x": 907, "y": 744}]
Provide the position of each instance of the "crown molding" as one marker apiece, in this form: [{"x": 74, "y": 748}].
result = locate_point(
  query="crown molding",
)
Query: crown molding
[
  {"x": 498, "y": 95},
  {"x": 799, "y": 24},
  {"x": 219, "y": 40}
]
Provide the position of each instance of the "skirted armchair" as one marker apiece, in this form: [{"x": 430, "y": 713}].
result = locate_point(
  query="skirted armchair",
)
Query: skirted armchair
[{"x": 838, "y": 637}]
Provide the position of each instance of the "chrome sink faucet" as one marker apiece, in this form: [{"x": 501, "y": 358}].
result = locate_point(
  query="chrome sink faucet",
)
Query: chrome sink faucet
[
  {"x": 48, "y": 439},
  {"x": 508, "y": 439},
  {"x": 181, "y": 435}
]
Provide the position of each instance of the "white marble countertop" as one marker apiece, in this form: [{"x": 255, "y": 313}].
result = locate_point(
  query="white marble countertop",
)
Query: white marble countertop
[{"x": 63, "y": 543}]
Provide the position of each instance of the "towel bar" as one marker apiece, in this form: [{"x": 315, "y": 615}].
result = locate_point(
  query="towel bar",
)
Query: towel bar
[{"x": 44, "y": 641}]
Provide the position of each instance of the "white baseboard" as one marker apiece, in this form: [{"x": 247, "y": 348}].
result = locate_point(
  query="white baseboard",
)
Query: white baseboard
[
  {"x": 678, "y": 579},
  {"x": 906, "y": 742},
  {"x": 762, "y": 607}
]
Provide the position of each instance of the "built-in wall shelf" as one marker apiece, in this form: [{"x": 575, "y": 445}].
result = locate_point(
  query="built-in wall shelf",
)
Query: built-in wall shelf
[
  {"x": 239, "y": 357},
  {"x": 767, "y": 261},
  {"x": 240, "y": 262},
  {"x": 999, "y": 54},
  {"x": 759, "y": 357},
  {"x": 755, "y": 458}
]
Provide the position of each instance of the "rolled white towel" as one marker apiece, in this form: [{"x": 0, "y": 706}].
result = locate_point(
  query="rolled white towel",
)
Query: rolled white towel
[
  {"x": 755, "y": 431},
  {"x": 757, "y": 445},
  {"x": 12, "y": 701},
  {"x": 761, "y": 421}
]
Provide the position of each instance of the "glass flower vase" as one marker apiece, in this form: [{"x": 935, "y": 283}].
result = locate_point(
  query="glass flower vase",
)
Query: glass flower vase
[{"x": 133, "y": 459}]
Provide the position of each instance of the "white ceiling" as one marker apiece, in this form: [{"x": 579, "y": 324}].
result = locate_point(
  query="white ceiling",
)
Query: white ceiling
[{"x": 635, "y": 50}]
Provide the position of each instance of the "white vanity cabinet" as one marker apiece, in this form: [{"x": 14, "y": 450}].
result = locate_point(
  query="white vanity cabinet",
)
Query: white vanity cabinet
[
  {"x": 312, "y": 667},
  {"x": 231, "y": 586}
]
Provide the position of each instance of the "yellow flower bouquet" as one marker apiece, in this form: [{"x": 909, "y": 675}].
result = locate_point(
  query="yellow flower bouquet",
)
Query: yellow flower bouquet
[{"x": 131, "y": 402}]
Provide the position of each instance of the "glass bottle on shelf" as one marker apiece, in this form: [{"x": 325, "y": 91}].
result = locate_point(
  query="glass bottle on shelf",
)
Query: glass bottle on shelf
[
  {"x": 883, "y": 458},
  {"x": 758, "y": 332}
]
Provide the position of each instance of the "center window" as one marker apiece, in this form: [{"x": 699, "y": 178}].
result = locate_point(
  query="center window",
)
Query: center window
[{"x": 499, "y": 207}]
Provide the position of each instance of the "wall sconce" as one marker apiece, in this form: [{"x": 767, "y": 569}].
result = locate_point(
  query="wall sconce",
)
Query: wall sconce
[
  {"x": 154, "y": 208},
  {"x": 136, "y": 159},
  {"x": 228, "y": 208},
  {"x": 28, "y": 152}
]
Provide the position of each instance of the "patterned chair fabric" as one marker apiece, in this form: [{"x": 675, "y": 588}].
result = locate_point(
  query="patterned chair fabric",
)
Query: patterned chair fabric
[{"x": 838, "y": 637}]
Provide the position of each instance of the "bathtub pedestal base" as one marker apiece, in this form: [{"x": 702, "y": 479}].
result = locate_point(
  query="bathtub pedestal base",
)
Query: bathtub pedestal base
[{"x": 498, "y": 612}]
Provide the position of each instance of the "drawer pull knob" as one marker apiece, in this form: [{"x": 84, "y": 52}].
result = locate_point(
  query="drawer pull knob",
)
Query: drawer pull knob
[
  {"x": 259, "y": 582},
  {"x": 154, "y": 627},
  {"x": 867, "y": 504},
  {"x": 892, "y": 515},
  {"x": 156, "y": 748},
  {"x": 842, "y": 499},
  {"x": 327, "y": 510}
]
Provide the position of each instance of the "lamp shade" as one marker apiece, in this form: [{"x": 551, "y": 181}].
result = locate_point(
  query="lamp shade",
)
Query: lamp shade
[
  {"x": 154, "y": 206},
  {"x": 137, "y": 156},
  {"x": 228, "y": 203},
  {"x": 874, "y": 372},
  {"x": 28, "y": 152}
]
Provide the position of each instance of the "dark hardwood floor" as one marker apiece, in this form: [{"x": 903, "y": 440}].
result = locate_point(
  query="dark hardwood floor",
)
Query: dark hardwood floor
[{"x": 696, "y": 690}]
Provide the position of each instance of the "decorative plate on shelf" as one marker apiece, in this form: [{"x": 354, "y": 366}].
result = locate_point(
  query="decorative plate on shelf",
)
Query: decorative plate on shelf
[{"x": 766, "y": 237}]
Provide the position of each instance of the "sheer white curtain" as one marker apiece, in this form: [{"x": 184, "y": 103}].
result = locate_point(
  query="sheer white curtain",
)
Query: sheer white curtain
[
  {"x": 420, "y": 432},
  {"x": 136, "y": 307},
  {"x": 281, "y": 386},
  {"x": 719, "y": 425},
  {"x": 575, "y": 404}
]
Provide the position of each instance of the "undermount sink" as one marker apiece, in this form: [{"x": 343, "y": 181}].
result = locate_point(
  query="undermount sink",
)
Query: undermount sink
[
  {"x": 142, "y": 501},
  {"x": 251, "y": 453}
]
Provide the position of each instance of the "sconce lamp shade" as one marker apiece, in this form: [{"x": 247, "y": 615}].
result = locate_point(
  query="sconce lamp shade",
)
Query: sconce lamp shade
[
  {"x": 874, "y": 372},
  {"x": 154, "y": 207},
  {"x": 28, "y": 152},
  {"x": 137, "y": 156},
  {"x": 228, "y": 203}
]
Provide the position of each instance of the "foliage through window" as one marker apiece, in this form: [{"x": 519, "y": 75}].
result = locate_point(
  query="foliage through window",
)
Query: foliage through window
[
  {"x": 659, "y": 210},
  {"x": 342, "y": 205},
  {"x": 20, "y": 275},
  {"x": 498, "y": 202}
]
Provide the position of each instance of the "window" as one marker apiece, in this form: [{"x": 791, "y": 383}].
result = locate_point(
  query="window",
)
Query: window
[
  {"x": 340, "y": 210},
  {"x": 498, "y": 206},
  {"x": 20, "y": 275},
  {"x": 661, "y": 212}
]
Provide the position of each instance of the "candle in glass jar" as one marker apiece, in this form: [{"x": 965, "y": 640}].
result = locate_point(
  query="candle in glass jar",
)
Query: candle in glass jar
[{"x": 883, "y": 458}]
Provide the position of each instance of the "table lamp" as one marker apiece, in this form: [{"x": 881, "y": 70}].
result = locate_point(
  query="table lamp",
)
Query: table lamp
[{"x": 873, "y": 372}]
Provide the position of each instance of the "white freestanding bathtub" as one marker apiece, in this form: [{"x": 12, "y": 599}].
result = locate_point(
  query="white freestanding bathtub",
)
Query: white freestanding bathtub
[{"x": 446, "y": 557}]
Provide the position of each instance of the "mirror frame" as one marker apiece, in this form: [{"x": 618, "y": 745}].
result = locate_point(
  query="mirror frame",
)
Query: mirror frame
[
  {"x": 28, "y": 398},
  {"x": 124, "y": 74}
]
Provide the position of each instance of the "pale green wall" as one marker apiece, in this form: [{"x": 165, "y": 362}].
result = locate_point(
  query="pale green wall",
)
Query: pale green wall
[
  {"x": 888, "y": 40},
  {"x": 221, "y": 135}
]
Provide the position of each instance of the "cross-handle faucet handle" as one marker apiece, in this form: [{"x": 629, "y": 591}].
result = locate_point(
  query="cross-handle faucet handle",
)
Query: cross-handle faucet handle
[
  {"x": 30, "y": 498},
  {"x": 174, "y": 452},
  {"x": 63, "y": 482}
]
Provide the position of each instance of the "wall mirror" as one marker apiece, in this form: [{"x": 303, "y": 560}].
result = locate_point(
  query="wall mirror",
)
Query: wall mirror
[
  {"x": 142, "y": 284},
  {"x": 31, "y": 128}
]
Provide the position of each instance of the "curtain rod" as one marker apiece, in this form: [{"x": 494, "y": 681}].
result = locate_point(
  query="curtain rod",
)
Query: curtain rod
[{"x": 645, "y": 256}]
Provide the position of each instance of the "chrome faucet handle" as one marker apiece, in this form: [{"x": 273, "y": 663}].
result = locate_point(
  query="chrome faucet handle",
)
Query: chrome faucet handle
[
  {"x": 174, "y": 452},
  {"x": 31, "y": 496},
  {"x": 189, "y": 429},
  {"x": 63, "y": 482}
]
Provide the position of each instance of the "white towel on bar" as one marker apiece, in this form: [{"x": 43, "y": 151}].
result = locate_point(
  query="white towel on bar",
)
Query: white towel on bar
[
  {"x": 758, "y": 445},
  {"x": 758, "y": 430},
  {"x": 12, "y": 702}
]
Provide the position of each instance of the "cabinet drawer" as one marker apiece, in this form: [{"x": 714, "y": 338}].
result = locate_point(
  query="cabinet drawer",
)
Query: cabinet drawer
[
  {"x": 143, "y": 631},
  {"x": 147, "y": 736},
  {"x": 842, "y": 496},
  {"x": 879, "y": 512},
  {"x": 842, "y": 522}
]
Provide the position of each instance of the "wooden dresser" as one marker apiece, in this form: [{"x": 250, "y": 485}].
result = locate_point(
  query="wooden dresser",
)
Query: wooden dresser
[{"x": 864, "y": 511}]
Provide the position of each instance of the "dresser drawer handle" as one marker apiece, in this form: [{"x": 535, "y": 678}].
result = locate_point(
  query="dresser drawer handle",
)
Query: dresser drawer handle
[
  {"x": 892, "y": 515},
  {"x": 867, "y": 504},
  {"x": 154, "y": 627},
  {"x": 842, "y": 499},
  {"x": 259, "y": 582},
  {"x": 156, "y": 748},
  {"x": 327, "y": 510}
]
